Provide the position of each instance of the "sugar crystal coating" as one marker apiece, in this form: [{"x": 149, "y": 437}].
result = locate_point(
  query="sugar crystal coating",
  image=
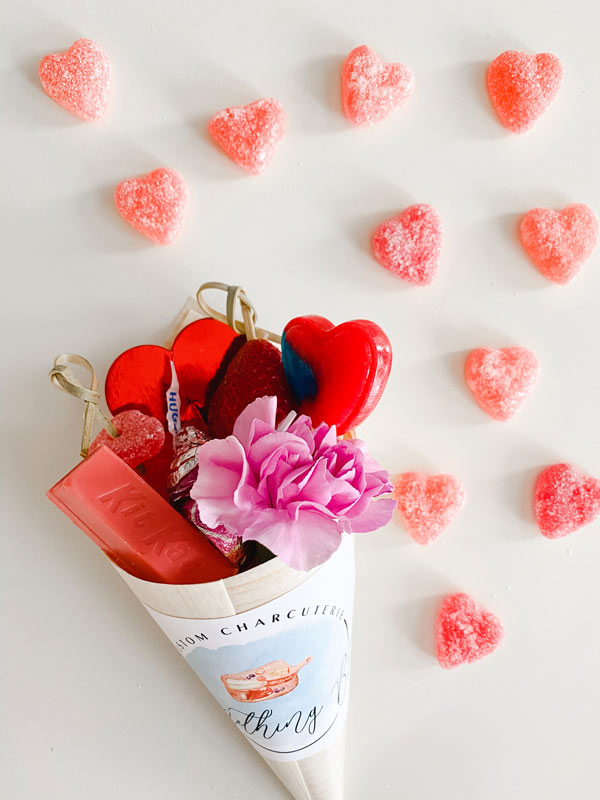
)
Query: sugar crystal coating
[
  {"x": 465, "y": 632},
  {"x": 521, "y": 86},
  {"x": 154, "y": 204},
  {"x": 372, "y": 89},
  {"x": 249, "y": 134},
  {"x": 409, "y": 245},
  {"x": 501, "y": 380},
  {"x": 558, "y": 242},
  {"x": 78, "y": 79},
  {"x": 140, "y": 437},
  {"x": 565, "y": 499},
  {"x": 427, "y": 504}
]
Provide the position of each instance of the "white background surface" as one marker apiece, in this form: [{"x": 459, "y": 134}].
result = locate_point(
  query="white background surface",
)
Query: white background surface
[{"x": 96, "y": 703}]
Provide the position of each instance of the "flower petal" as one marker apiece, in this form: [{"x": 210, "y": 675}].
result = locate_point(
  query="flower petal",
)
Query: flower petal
[{"x": 264, "y": 409}]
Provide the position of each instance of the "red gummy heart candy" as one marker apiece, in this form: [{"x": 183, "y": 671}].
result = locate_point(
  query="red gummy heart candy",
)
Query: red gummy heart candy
[
  {"x": 558, "y": 242},
  {"x": 337, "y": 373},
  {"x": 428, "y": 503},
  {"x": 249, "y": 134},
  {"x": 141, "y": 376},
  {"x": 522, "y": 86},
  {"x": 410, "y": 244},
  {"x": 372, "y": 89},
  {"x": 154, "y": 204},
  {"x": 501, "y": 380},
  {"x": 256, "y": 371},
  {"x": 78, "y": 79},
  {"x": 465, "y": 632},
  {"x": 140, "y": 437},
  {"x": 565, "y": 499}
]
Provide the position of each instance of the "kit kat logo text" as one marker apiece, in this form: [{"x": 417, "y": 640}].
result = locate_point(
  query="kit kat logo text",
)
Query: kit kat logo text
[{"x": 134, "y": 507}]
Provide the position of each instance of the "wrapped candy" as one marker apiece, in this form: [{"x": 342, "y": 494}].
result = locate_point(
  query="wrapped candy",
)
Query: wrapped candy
[{"x": 181, "y": 478}]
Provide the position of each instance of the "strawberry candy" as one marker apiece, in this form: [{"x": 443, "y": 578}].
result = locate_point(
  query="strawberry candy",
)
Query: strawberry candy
[
  {"x": 522, "y": 86},
  {"x": 249, "y": 134},
  {"x": 154, "y": 204},
  {"x": 501, "y": 380},
  {"x": 255, "y": 371},
  {"x": 78, "y": 79},
  {"x": 427, "y": 504},
  {"x": 409, "y": 245},
  {"x": 465, "y": 632},
  {"x": 558, "y": 242},
  {"x": 565, "y": 499},
  {"x": 140, "y": 437},
  {"x": 372, "y": 89}
]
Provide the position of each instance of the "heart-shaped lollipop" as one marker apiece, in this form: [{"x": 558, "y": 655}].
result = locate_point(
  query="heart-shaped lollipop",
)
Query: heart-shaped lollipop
[
  {"x": 337, "y": 373},
  {"x": 141, "y": 376}
]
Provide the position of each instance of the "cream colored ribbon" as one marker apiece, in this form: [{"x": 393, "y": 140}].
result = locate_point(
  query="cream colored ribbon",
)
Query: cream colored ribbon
[
  {"x": 236, "y": 296},
  {"x": 63, "y": 378}
]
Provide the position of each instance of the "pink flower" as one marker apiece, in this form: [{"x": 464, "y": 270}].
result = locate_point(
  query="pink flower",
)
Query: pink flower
[{"x": 295, "y": 491}]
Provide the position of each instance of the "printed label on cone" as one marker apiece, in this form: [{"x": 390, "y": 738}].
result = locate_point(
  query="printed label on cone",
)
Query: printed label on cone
[{"x": 280, "y": 671}]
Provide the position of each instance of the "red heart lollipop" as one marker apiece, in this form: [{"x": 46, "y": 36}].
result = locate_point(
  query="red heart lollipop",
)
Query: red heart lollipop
[
  {"x": 337, "y": 373},
  {"x": 141, "y": 376}
]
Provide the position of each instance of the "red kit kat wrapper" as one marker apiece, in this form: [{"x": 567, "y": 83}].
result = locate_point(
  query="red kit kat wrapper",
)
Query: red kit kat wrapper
[{"x": 135, "y": 526}]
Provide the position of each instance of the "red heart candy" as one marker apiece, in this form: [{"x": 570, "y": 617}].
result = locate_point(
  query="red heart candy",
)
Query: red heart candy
[
  {"x": 558, "y": 242},
  {"x": 140, "y": 437},
  {"x": 348, "y": 365},
  {"x": 410, "y": 244},
  {"x": 521, "y": 86},
  {"x": 428, "y": 503},
  {"x": 501, "y": 380},
  {"x": 78, "y": 79},
  {"x": 249, "y": 134},
  {"x": 465, "y": 632},
  {"x": 372, "y": 89},
  {"x": 141, "y": 376},
  {"x": 565, "y": 499},
  {"x": 154, "y": 204}
]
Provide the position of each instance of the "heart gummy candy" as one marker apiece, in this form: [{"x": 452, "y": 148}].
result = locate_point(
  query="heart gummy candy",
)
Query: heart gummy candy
[
  {"x": 78, "y": 79},
  {"x": 565, "y": 499},
  {"x": 372, "y": 89},
  {"x": 521, "y": 87},
  {"x": 428, "y": 503},
  {"x": 140, "y": 437},
  {"x": 501, "y": 380},
  {"x": 558, "y": 242},
  {"x": 249, "y": 134},
  {"x": 141, "y": 376},
  {"x": 410, "y": 244},
  {"x": 337, "y": 373},
  {"x": 465, "y": 632},
  {"x": 255, "y": 371},
  {"x": 154, "y": 204}
]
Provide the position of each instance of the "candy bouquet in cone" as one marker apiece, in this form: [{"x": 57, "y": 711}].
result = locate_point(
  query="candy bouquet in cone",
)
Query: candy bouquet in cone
[{"x": 225, "y": 487}]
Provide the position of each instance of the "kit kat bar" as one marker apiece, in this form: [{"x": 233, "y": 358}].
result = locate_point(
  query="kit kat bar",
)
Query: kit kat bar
[{"x": 134, "y": 525}]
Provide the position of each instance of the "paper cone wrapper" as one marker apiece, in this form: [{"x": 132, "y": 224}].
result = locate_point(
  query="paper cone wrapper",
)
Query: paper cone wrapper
[{"x": 273, "y": 646}]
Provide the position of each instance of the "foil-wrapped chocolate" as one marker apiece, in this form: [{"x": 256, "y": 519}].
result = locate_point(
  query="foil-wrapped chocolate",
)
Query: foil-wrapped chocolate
[{"x": 182, "y": 476}]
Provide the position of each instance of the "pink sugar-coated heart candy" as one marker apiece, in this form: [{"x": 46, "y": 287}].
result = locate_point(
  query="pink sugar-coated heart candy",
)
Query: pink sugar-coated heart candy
[
  {"x": 140, "y": 437},
  {"x": 501, "y": 380},
  {"x": 522, "y": 86},
  {"x": 465, "y": 632},
  {"x": 78, "y": 79},
  {"x": 154, "y": 204},
  {"x": 249, "y": 134},
  {"x": 427, "y": 504},
  {"x": 565, "y": 499},
  {"x": 558, "y": 242},
  {"x": 410, "y": 244},
  {"x": 372, "y": 89}
]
